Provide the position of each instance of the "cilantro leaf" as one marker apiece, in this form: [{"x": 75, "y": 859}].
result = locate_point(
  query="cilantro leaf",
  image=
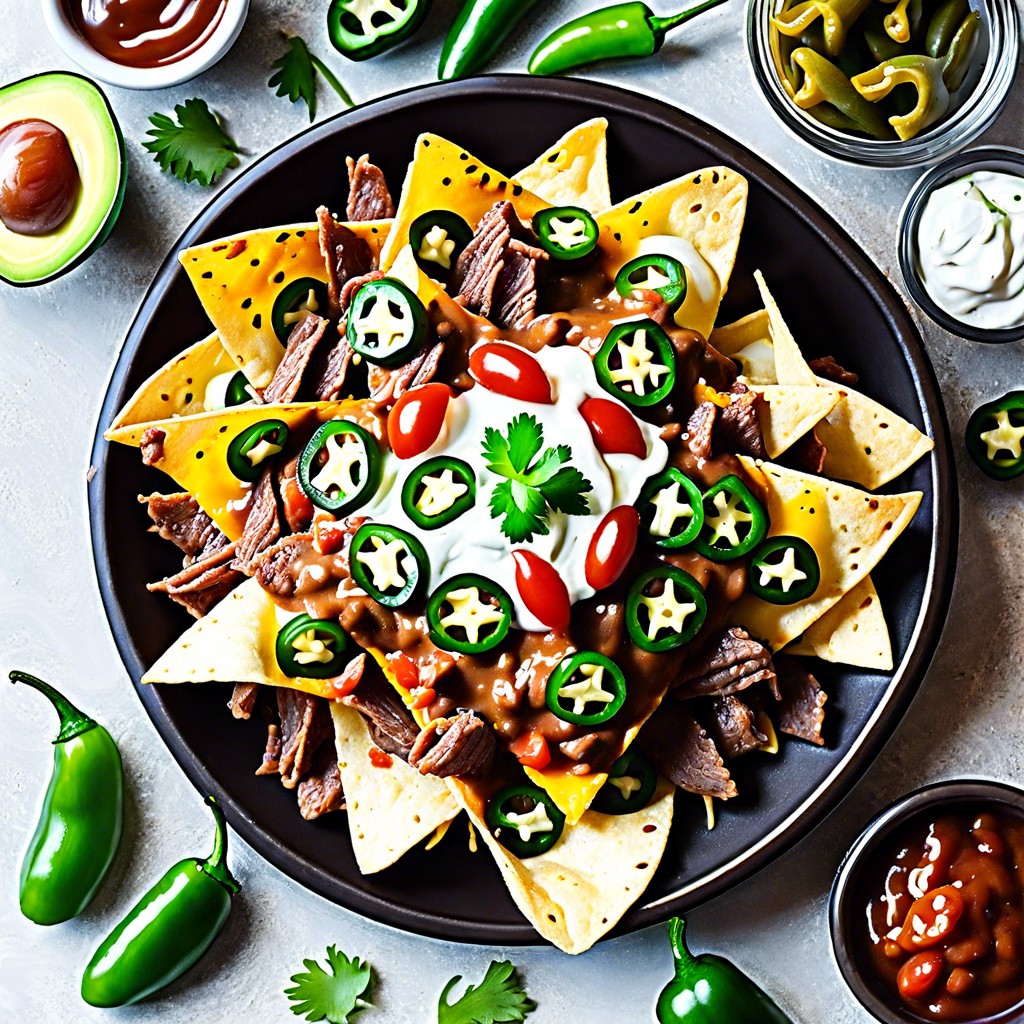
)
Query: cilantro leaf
[
  {"x": 295, "y": 76},
  {"x": 565, "y": 491},
  {"x": 510, "y": 458},
  {"x": 499, "y": 999},
  {"x": 522, "y": 508},
  {"x": 338, "y": 996},
  {"x": 196, "y": 148}
]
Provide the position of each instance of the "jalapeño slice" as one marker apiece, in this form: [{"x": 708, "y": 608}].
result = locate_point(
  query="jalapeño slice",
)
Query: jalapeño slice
[
  {"x": 253, "y": 446},
  {"x": 655, "y": 273},
  {"x": 339, "y": 468},
  {"x": 631, "y": 783},
  {"x": 671, "y": 509},
  {"x": 388, "y": 563},
  {"x": 784, "y": 570},
  {"x": 566, "y": 232},
  {"x": 995, "y": 435},
  {"x": 665, "y": 608},
  {"x": 360, "y": 29},
  {"x": 525, "y": 820},
  {"x": 387, "y": 323},
  {"x": 309, "y": 648},
  {"x": 438, "y": 491},
  {"x": 584, "y": 679},
  {"x": 437, "y": 238},
  {"x": 237, "y": 391},
  {"x": 296, "y": 299},
  {"x": 735, "y": 522},
  {"x": 461, "y": 618},
  {"x": 637, "y": 363}
]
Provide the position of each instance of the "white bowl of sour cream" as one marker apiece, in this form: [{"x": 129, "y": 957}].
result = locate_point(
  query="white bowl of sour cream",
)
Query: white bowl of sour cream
[{"x": 962, "y": 244}]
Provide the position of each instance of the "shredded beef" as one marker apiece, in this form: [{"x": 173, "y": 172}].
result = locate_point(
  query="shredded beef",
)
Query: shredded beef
[
  {"x": 179, "y": 519},
  {"x": 739, "y": 427},
  {"x": 699, "y": 429},
  {"x": 368, "y": 195},
  {"x": 391, "y": 726},
  {"x": 327, "y": 376},
  {"x": 302, "y": 343},
  {"x": 320, "y": 792},
  {"x": 592, "y": 752},
  {"x": 271, "y": 763},
  {"x": 828, "y": 368},
  {"x": 273, "y": 566},
  {"x": 463, "y": 745},
  {"x": 152, "y": 445},
  {"x": 262, "y": 524},
  {"x": 809, "y": 453},
  {"x": 305, "y": 724},
  {"x": 729, "y": 663},
  {"x": 732, "y": 725},
  {"x": 802, "y": 708},
  {"x": 200, "y": 585},
  {"x": 345, "y": 253},
  {"x": 387, "y": 385},
  {"x": 243, "y": 699},
  {"x": 684, "y": 753}
]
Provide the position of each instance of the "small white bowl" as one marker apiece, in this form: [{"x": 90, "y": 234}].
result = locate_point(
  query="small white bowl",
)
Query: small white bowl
[{"x": 60, "y": 26}]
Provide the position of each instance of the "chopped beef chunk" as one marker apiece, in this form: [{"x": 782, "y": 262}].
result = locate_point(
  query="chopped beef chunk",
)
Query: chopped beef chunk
[
  {"x": 368, "y": 195},
  {"x": 179, "y": 519},
  {"x": 327, "y": 376},
  {"x": 302, "y": 342},
  {"x": 262, "y": 524},
  {"x": 152, "y": 445},
  {"x": 391, "y": 726},
  {"x": 353, "y": 284},
  {"x": 305, "y": 724},
  {"x": 200, "y": 585},
  {"x": 345, "y": 253},
  {"x": 809, "y": 453},
  {"x": 387, "y": 385},
  {"x": 320, "y": 792},
  {"x": 699, "y": 428},
  {"x": 273, "y": 568},
  {"x": 592, "y": 752},
  {"x": 729, "y": 663},
  {"x": 463, "y": 745},
  {"x": 802, "y": 708},
  {"x": 684, "y": 753},
  {"x": 515, "y": 294},
  {"x": 732, "y": 725},
  {"x": 243, "y": 699},
  {"x": 739, "y": 426},
  {"x": 271, "y": 763},
  {"x": 828, "y": 368}
]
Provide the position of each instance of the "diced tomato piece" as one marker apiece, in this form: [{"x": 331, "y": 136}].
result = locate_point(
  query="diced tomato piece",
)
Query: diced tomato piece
[
  {"x": 298, "y": 509},
  {"x": 423, "y": 697},
  {"x": 404, "y": 669},
  {"x": 531, "y": 748},
  {"x": 379, "y": 758},
  {"x": 349, "y": 679}
]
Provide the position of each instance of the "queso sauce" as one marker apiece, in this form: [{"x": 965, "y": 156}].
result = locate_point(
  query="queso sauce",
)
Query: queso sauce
[{"x": 945, "y": 915}]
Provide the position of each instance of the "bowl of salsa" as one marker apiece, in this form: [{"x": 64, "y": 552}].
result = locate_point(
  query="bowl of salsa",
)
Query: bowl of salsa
[{"x": 927, "y": 910}]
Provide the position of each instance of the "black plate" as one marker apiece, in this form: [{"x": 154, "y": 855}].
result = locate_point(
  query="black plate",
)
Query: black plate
[{"x": 836, "y": 301}]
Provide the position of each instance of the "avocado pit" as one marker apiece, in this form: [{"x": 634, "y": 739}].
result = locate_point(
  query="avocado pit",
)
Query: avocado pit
[{"x": 39, "y": 179}]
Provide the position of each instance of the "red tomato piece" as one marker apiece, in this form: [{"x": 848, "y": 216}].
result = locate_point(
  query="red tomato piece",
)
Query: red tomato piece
[
  {"x": 404, "y": 669},
  {"x": 920, "y": 974},
  {"x": 613, "y": 428},
  {"x": 349, "y": 678},
  {"x": 543, "y": 591},
  {"x": 612, "y": 546},
  {"x": 298, "y": 509},
  {"x": 531, "y": 748},
  {"x": 328, "y": 534},
  {"x": 379, "y": 758},
  {"x": 510, "y": 370},
  {"x": 931, "y": 918},
  {"x": 423, "y": 697},
  {"x": 415, "y": 420}
]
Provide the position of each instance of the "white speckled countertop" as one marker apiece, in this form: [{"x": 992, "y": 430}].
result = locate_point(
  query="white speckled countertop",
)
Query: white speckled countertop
[{"x": 57, "y": 345}]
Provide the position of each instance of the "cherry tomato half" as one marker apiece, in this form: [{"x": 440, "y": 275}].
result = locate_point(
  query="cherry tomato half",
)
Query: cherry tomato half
[
  {"x": 510, "y": 370},
  {"x": 543, "y": 591},
  {"x": 931, "y": 918},
  {"x": 531, "y": 748},
  {"x": 613, "y": 428},
  {"x": 612, "y": 546},
  {"x": 416, "y": 419},
  {"x": 920, "y": 974}
]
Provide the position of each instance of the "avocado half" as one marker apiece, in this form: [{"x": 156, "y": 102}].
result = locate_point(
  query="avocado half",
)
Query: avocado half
[{"x": 76, "y": 106}]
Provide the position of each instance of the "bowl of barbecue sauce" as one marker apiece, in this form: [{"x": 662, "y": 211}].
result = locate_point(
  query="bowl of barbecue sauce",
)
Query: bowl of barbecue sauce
[
  {"x": 927, "y": 911},
  {"x": 145, "y": 44}
]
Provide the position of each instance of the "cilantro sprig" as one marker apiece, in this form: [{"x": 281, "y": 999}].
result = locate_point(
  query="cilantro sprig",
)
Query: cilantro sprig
[
  {"x": 296, "y": 72},
  {"x": 337, "y": 995},
  {"x": 499, "y": 999},
  {"x": 196, "y": 147},
  {"x": 534, "y": 481}
]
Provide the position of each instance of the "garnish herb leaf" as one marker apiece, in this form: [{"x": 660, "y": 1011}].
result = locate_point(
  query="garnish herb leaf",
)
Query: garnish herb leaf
[
  {"x": 530, "y": 487},
  {"x": 196, "y": 148},
  {"x": 338, "y": 995},
  {"x": 499, "y": 999},
  {"x": 295, "y": 76}
]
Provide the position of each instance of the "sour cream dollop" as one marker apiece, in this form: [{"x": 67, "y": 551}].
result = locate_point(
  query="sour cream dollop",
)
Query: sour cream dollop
[{"x": 970, "y": 245}]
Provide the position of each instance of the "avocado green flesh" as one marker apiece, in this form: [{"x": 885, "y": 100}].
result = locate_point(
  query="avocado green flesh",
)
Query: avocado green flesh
[{"x": 78, "y": 107}]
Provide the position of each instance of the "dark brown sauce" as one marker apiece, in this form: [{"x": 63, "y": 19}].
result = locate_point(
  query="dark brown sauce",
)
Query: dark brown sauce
[
  {"x": 145, "y": 33},
  {"x": 977, "y": 968},
  {"x": 39, "y": 179}
]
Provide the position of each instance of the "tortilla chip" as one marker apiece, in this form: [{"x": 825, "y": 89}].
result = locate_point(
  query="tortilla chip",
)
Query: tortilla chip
[
  {"x": 706, "y": 208},
  {"x": 238, "y": 278},
  {"x": 790, "y": 412},
  {"x": 179, "y": 387},
  {"x": 390, "y": 809},
  {"x": 195, "y": 450},
  {"x": 580, "y": 888},
  {"x": 790, "y": 365},
  {"x": 851, "y": 632},
  {"x": 574, "y": 171},
  {"x": 445, "y": 175},
  {"x": 849, "y": 530}
]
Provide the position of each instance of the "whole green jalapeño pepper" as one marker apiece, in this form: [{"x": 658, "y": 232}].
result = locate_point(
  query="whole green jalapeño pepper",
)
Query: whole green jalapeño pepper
[
  {"x": 622, "y": 30},
  {"x": 360, "y": 29},
  {"x": 167, "y": 931},
  {"x": 708, "y": 989},
  {"x": 80, "y": 824},
  {"x": 480, "y": 27},
  {"x": 995, "y": 434}
]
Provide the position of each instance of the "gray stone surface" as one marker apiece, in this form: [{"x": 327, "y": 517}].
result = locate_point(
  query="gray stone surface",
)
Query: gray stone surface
[{"x": 58, "y": 344}]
